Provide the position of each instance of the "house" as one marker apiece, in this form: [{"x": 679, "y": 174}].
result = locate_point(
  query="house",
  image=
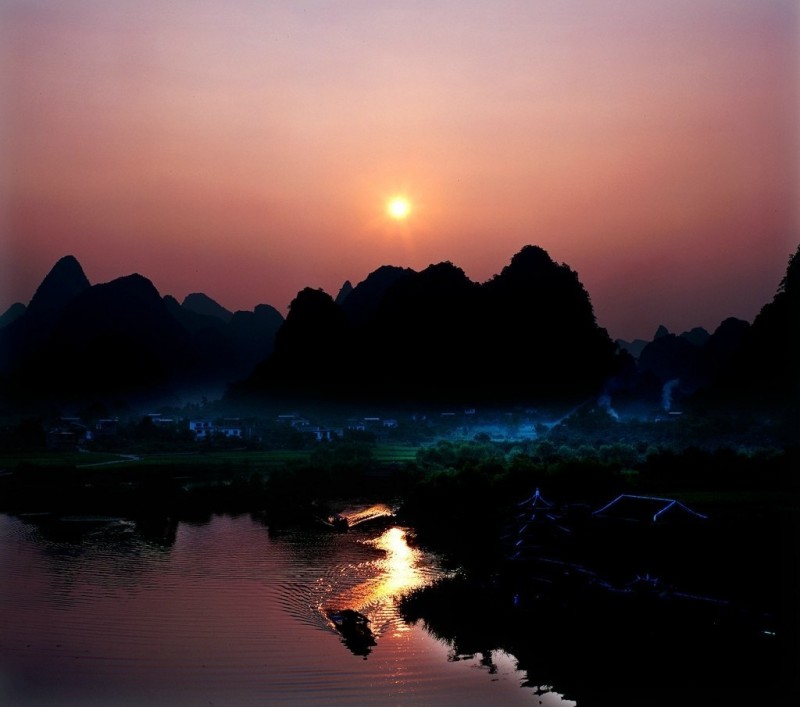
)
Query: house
[
  {"x": 158, "y": 420},
  {"x": 538, "y": 524},
  {"x": 201, "y": 429},
  {"x": 324, "y": 433},
  {"x": 106, "y": 428},
  {"x": 231, "y": 428},
  {"x": 293, "y": 420},
  {"x": 370, "y": 424},
  {"x": 67, "y": 434},
  {"x": 646, "y": 509}
]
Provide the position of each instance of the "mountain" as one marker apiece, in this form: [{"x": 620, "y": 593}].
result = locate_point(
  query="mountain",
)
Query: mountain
[
  {"x": 634, "y": 348},
  {"x": 530, "y": 332},
  {"x": 419, "y": 340},
  {"x": 365, "y": 298},
  {"x": 123, "y": 338},
  {"x": 527, "y": 334},
  {"x": 191, "y": 320},
  {"x": 62, "y": 283},
  {"x": 344, "y": 292},
  {"x": 253, "y": 336},
  {"x": 14, "y": 312},
  {"x": 21, "y": 337},
  {"x": 738, "y": 363},
  {"x": 200, "y": 303},
  {"x": 670, "y": 357},
  {"x": 674, "y": 367},
  {"x": 543, "y": 338},
  {"x": 697, "y": 336},
  {"x": 724, "y": 343},
  {"x": 232, "y": 346},
  {"x": 767, "y": 364},
  {"x": 211, "y": 341},
  {"x": 113, "y": 337}
]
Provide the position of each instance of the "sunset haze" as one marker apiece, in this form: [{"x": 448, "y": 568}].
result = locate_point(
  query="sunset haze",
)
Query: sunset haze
[{"x": 248, "y": 150}]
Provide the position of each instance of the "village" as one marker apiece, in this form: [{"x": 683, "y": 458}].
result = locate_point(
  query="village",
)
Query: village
[{"x": 76, "y": 433}]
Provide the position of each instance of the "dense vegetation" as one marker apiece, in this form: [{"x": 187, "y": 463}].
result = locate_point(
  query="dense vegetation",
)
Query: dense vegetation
[{"x": 443, "y": 478}]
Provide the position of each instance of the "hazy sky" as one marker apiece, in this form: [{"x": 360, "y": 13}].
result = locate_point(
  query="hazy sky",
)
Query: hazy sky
[{"x": 247, "y": 148}]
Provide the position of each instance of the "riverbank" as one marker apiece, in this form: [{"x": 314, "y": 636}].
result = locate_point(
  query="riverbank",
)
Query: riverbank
[{"x": 721, "y": 603}]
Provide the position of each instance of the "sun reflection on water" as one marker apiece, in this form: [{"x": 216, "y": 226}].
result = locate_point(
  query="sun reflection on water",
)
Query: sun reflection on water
[{"x": 400, "y": 570}]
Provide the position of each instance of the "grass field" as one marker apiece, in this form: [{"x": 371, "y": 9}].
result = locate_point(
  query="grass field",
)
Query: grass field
[{"x": 44, "y": 458}]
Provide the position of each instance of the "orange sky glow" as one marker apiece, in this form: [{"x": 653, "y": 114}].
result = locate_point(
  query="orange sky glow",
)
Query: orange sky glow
[{"x": 249, "y": 149}]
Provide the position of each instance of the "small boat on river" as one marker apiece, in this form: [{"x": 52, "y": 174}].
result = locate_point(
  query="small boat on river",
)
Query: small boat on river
[
  {"x": 336, "y": 522},
  {"x": 349, "y": 621},
  {"x": 339, "y": 523},
  {"x": 355, "y": 630}
]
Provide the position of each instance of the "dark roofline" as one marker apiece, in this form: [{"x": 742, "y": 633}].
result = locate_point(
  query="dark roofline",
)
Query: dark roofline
[{"x": 669, "y": 503}]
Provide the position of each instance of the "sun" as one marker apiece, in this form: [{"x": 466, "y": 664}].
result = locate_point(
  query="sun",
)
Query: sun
[{"x": 398, "y": 208}]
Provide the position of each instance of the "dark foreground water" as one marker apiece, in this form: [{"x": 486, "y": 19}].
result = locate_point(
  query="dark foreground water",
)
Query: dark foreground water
[{"x": 102, "y": 612}]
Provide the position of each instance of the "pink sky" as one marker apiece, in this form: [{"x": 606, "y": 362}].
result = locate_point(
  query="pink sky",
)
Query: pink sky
[{"x": 247, "y": 149}]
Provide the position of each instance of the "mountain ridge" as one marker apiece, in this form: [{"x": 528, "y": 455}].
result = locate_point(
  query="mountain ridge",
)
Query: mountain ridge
[{"x": 527, "y": 333}]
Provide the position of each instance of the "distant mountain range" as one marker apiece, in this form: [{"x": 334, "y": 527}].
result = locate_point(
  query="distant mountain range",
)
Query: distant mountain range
[
  {"x": 738, "y": 361},
  {"x": 528, "y": 334},
  {"x": 122, "y": 338},
  {"x": 689, "y": 362}
]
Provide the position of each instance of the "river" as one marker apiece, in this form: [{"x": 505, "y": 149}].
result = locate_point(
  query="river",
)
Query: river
[{"x": 102, "y": 611}]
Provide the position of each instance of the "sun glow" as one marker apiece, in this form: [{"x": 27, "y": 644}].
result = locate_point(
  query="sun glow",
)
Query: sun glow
[
  {"x": 398, "y": 208},
  {"x": 400, "y": 570}
]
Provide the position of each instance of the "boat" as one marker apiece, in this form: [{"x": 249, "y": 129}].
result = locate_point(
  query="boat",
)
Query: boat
[
  {"x": 336, "y": 522},
  {"x": 355, "y": 630},
  {"x": 339, "y": 523},
  {"x": 349, "y": 620}
]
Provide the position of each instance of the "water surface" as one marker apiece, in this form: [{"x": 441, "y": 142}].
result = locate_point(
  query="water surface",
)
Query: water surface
[{"x": 104, "y": 612}]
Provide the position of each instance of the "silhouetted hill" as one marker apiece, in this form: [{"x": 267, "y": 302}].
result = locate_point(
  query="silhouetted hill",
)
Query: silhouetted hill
[
  {"x": 697, "y": 336},
  {"x": 21, "y": 338},
  {"x": 253, "y": 336},
  {"x": 344, "y": 292},
  {"x": 543, "y": 338},
  {"x": 114, "y": 337},
  {"x": 671, "y": 357},
  {"x": 740, "y": 364},
  {"x": 190, "y": 320},
  {"x": 14, "y": 312},
  {"x": 686, "y": 364},
  {"x": 122, "y": 338},
  {"x": 231, "y": 349},
  {"x": 768, "y": 364},
  {"x": 202, "y": 304},
  {"x": 634, "y": 348},
  {"x": 419, "y": 340},
  {"x": 212, "y": 346},
  {"x": 62, "y": 283},
  {"x": 310, "y": 347},
  {"x": 365, "y": 298},
  {"x": 723, "y": 345},
  {"x": 527, "y": 334},
  {"x": 436, "y": 335}
]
